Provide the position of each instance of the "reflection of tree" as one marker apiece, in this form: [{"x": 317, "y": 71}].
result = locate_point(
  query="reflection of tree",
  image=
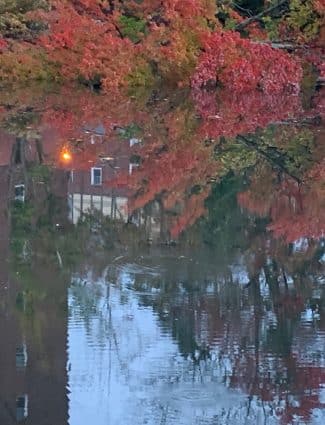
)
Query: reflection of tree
[
  {"x": 239, "y": 333},
  {"x": 233, "y": 297},
  {"x": 255, "y": 337},
  {"x": 292, "y": 191},
  {"x": 226, "y": 113},
  {"x": 253, "y": 329},
  {"x": 246, "y": 336},
  {"x": 296, "y": 210},
  {"x": 186, "y": 143}
]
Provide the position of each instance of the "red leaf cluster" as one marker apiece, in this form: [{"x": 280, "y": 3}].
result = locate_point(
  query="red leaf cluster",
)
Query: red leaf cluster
[
  {"x": 3, "y": 44},
  {"x": 227, "y": 113},
  {"x": 242, "y": 65},
  {"x": 296, "y": 211}
]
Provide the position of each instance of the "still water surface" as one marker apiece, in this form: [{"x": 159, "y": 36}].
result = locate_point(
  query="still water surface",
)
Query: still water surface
[{"x": 163, "y": 262}]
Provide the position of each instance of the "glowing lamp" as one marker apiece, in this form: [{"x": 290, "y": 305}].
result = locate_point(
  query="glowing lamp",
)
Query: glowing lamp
[{"x": 66, "y": 156}]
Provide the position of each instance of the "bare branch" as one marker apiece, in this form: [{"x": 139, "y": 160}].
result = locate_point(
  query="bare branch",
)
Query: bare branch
[{"x": 260, "y": 15}]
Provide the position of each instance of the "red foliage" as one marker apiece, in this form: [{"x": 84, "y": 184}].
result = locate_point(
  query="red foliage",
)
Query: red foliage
[
  {"x": 322, "y": 70},
  {"x": 72, "y": 109},
  {"x": 296, "y": 211},
  {"x": 227, "y": 113},
  {"x": 87, "y": 47},
  {"x": 86, "y": 38},
  {"x": 319, "y": 6},
  {"x": 3, "y": 44},
  {"x": 193, "y": 209},
  {"x": 242, "y": 65},
  {"x": 170, "y": 175},
  {"x": 176, "y": 166}
]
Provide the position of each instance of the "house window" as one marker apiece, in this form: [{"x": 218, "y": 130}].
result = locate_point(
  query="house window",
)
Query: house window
[
  {"x": 21, "y": 407},
  {"x": 134, "y": 141},
  {"x": 96, "y": 176},
  {"x": 21, "y": 357},
  {"x": 132, "y": 167},
  {"x": 20, "y": 192}
]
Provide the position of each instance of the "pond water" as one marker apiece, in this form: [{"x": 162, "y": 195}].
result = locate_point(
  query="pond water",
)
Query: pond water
[{"x": 161, "y": 258}]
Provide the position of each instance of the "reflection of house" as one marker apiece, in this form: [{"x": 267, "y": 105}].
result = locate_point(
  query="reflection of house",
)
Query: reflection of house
[
  {"x": 112, "y": 206},
  {"x": 32, "y": 328},
  {"x": 96, "y": 133},
  {"x": 89, "y": 187}
]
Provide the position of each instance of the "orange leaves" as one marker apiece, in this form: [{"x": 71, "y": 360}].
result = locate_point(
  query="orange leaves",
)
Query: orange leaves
[
  {"x": 189, "y": 9},
  {"x": 22, "y": 63},
  {"x": 192, "y": 209}
]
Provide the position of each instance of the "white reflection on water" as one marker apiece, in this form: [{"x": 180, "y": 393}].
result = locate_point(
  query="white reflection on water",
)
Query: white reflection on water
[{"x": 124, "y": 369}]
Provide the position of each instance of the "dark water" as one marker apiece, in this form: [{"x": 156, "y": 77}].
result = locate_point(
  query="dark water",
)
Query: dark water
[{"x": 161, "y": 260}]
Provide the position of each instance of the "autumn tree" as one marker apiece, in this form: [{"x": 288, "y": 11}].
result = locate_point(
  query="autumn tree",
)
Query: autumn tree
[{"x": 114, "y": 44}]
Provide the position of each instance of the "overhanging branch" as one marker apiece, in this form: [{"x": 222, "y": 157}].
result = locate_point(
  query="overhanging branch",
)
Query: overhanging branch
[{"x": 260, "y": 15}]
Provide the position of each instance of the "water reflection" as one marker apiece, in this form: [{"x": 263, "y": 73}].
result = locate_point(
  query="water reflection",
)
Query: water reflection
[
  {"x": 155, "y": 266},
  {"x": 146, "y": 380},
  {"x": 182, "y": 350}
]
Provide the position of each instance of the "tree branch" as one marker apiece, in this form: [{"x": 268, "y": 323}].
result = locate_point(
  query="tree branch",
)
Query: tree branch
[
  {"x": 254, "y": 146},
  {"x": 260, "y": 15}
]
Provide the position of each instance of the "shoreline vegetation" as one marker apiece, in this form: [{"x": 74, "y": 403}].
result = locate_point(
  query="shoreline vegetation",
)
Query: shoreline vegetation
[{"x": 126, "y": 45}]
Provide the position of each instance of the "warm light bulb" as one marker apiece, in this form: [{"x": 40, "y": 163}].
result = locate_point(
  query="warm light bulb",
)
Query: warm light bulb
[{"x": 66, "y": 156}]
